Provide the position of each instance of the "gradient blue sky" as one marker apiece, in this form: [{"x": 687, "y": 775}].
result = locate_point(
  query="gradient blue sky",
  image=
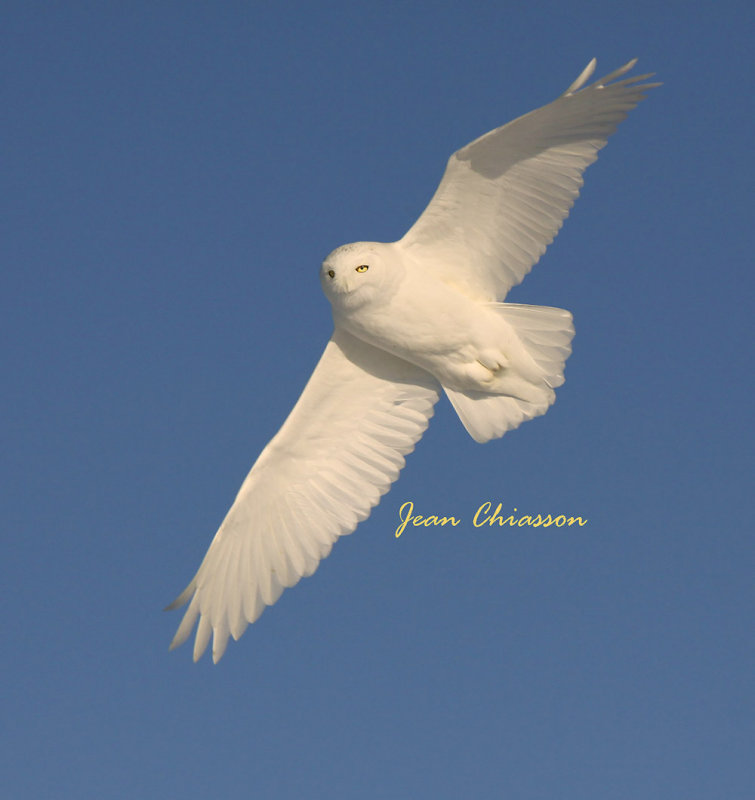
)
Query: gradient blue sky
[{"x": 173, "y": 174}]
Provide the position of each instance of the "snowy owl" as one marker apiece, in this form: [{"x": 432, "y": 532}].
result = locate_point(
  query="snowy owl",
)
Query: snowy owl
[{"x": 413, "y": 317}]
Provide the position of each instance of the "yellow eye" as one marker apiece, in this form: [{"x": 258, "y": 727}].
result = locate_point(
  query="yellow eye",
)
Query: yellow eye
[{"x": 362, "y": 268}]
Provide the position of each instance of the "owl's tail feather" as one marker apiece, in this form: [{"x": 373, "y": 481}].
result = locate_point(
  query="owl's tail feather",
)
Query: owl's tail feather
[{"x": 546, "y": 334}]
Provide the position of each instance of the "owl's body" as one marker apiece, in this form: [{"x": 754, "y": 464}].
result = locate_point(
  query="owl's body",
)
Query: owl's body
[{"x": 467, "y": 345}]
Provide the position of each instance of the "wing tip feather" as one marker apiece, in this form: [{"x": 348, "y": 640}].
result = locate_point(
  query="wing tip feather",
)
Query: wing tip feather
[
  {"x": 583, "y": 77},
  {"x": 611, "y": 78},
  {"x": 183, "y": 598}
]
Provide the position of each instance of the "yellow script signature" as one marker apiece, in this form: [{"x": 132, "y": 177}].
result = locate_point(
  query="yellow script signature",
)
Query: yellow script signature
[{"x": 482, "y": 517}]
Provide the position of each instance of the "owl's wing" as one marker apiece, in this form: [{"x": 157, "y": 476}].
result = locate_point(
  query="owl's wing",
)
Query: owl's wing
[
  {"x": 339, "y": 450},
  {"x": 504, "y": 197}
]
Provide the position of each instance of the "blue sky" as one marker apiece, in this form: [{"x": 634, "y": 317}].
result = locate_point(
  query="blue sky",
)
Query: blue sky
[{"x": 173, "y": 174}]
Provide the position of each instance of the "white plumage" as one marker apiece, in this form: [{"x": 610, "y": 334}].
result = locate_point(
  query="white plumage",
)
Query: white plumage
[{"x": 410, "y": 318}]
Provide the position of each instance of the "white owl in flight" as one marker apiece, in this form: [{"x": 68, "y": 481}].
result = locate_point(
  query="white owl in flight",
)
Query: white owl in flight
[{"x": 411, "y": 318}]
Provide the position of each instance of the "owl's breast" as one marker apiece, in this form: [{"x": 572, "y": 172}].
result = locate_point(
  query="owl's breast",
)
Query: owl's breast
[{"x": 430, "y": 325}]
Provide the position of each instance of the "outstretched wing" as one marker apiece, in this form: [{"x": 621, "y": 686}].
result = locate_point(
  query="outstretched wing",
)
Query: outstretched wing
[
  {"x": 339, "y": 450},
  {"x": 504, "y": 197}
]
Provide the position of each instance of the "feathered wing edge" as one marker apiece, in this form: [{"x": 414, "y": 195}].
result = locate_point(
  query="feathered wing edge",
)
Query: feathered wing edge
[
  {"x": 338, "y": 452},
  {"x": 504, "y": 196}
]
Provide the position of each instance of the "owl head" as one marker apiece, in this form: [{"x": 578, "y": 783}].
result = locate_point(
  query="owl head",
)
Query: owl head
[{"x": 359, "y": 273}]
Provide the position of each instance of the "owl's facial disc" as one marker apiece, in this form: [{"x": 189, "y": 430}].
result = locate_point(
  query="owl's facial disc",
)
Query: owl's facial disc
[
  {"x": 356, "y": 274},
  {"x": 344, "y": 283},
  {"x": 337, "y": 278}
]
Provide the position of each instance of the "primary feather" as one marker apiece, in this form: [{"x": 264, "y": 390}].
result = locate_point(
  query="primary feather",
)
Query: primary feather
[{"x": 411, "y": 318}]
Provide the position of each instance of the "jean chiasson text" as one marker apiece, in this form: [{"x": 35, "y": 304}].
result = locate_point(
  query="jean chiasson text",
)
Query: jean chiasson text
[{"x": 486, "y": 515}]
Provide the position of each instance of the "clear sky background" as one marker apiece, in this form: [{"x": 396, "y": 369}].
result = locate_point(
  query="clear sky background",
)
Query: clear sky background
[{"x": 173, "y": 174}]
